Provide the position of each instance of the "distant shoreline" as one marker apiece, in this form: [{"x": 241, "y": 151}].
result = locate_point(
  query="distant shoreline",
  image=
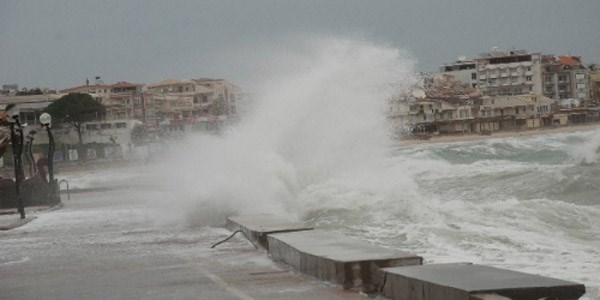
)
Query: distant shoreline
[{"x": 500, "y": 134}]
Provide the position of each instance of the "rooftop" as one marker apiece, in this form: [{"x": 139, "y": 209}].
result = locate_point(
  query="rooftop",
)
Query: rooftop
[
  {"x": 169, "y": 82},
  {"x": 84, "y": 87}
]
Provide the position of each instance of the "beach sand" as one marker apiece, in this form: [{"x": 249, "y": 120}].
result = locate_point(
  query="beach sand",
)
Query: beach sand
[{"x": 501, "y": 134}]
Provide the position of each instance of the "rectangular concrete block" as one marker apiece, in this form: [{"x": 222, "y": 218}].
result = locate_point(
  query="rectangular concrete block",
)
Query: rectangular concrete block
[
  {"x": 352, "y": 263},
  {"x": 464, "y": 281},
  {"x": 258, "y": 226}
]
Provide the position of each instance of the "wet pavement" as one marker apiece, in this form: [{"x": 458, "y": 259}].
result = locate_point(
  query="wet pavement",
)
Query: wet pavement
[{"x": 111, "y": 245}]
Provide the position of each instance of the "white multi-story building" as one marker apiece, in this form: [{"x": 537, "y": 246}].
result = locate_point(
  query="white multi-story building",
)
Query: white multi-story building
[
  {"x": 463, "y": 71},
  {"x": 565, "y": 77},
  {"x": 514, "y": 72}
]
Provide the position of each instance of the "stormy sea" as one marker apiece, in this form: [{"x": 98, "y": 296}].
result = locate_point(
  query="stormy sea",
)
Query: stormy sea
[
  {"x": 316, "y": 147},
  {"x": 530, "y": 204}
]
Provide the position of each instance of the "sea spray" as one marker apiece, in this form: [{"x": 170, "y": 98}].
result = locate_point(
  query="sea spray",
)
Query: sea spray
[{"x": 321, "y": 123}]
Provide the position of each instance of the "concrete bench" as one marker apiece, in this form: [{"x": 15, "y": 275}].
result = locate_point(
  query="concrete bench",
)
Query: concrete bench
[
  {"x": 258, "y": 226},
  {"x": 463, "y": 281},
  {"x": 352, "y": 263}
]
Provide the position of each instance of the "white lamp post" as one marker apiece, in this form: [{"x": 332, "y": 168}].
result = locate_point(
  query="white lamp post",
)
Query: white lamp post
[{"x": 46, "y": 121}]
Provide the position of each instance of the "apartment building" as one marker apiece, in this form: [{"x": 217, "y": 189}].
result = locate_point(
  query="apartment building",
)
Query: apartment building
[
  {"x": 463, "y": 70},
  {"x": 564, "y": 77},
  {"x": 514, "y": 72},
  {"x": 444, "y": 115},
  {"x": 594, "y": 86},
  {"x": 179, "y": 100},
  {"x": 225, "y": 92},
  {"x": 516, "y": 112},
  {"x": 201, "y": 104},
  {"x": 478, "y": 115},
  {"x": 125, "y": 102}
]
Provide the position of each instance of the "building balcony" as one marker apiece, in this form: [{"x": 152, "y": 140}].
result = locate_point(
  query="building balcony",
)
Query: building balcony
[
  {"x": 482, "y": 76},
  {"x": 515, "y": 74},
  {"x": 528, "y": 73},
  {"x": 504, "y": 75},
  {"x": 493, "y": 76}
]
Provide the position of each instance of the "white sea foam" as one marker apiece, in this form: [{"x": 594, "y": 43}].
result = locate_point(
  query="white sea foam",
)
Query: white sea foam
[{"x": 587, "y": 151}]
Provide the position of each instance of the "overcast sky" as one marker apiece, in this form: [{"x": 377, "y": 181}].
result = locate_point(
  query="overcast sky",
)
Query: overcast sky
[{"x": 57, "y": 44}]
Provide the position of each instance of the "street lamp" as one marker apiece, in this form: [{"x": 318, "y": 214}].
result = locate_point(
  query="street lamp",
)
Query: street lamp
[
  {"x": 46, "y": 121},
  {"x": 29, "y": 151},
  {"x": 16, "y": 136}
]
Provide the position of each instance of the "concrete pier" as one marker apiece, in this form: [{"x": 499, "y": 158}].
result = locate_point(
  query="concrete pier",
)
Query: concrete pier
[
  {"x": 352, "y": 263},
  {"x": 465, "y": 281},
  {"x": 258, "y": 226}
]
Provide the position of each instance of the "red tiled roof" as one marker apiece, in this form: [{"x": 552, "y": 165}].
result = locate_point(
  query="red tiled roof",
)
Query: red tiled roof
[{"x": 568, "y": 60}]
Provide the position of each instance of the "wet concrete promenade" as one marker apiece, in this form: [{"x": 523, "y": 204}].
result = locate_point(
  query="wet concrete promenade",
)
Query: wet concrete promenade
[{"x": 108, "y": 245}]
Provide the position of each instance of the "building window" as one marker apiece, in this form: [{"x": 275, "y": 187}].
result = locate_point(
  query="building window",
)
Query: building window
[
  {"x": 528, "y": 78},
  {"x": 474, "y": 76},
  {"x": 121, "y": 125},
  {"x": 91, "y": 126},
  {"x": 105, "y": 126}
]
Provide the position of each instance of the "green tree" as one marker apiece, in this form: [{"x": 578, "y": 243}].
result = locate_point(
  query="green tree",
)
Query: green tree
[{"x": 75, "y": 109}]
